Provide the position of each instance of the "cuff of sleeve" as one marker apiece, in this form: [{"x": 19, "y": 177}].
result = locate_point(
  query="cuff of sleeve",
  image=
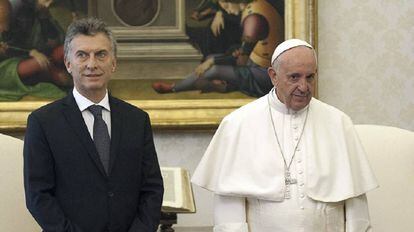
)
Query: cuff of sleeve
[
  {"x": 231, "y": 227},
  {"x": 358, "y": 226}
]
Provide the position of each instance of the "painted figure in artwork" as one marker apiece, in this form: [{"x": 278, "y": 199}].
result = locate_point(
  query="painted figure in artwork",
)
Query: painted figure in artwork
[
  {"x": 31, "y": 51},
  {"x": 136, "y": 12},
  {"x": 245, "y": 68},
  {"x": 212, "y": 30}
]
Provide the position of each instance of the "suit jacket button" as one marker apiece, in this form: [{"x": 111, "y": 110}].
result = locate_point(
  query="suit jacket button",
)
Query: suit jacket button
[{"x": 110, "y": 194}]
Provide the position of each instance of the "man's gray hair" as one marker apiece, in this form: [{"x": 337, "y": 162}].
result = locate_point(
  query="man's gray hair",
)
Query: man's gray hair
[{"x": 89, "y": 27}]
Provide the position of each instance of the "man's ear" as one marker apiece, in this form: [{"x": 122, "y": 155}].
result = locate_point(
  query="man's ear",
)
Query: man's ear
[
  {"x": 67, "y": 65},
  {"x": 272, "y": 74}
]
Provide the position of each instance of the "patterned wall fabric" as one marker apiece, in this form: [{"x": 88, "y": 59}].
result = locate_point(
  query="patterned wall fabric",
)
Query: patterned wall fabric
[{"x": 366, "y": 59}]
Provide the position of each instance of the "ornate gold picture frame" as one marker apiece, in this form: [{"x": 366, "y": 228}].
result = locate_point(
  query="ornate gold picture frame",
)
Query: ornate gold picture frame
[{"x": 300, "y": 22}]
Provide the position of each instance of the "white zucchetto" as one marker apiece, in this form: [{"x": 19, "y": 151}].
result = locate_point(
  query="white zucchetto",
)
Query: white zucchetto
[{"x": 286, "y": 45}]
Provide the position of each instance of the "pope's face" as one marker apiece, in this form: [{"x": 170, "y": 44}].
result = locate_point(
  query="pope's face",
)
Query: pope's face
[
  {"x": 91, "y": 62},
  {"x": 294, "y": 77}
]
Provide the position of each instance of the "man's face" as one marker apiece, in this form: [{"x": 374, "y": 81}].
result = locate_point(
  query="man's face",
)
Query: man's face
[
  {"x": 294, "y": 77},
  {"x": 91, "y": 63}
]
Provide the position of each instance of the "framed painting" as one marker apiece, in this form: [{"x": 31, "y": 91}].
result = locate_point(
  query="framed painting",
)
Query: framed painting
[{"x": 158, "y": 43}]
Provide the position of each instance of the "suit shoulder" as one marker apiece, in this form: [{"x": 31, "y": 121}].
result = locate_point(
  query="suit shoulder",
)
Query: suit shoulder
[
  {"x": 128, "y": 107},
  {"x": 48, "y": 109}
]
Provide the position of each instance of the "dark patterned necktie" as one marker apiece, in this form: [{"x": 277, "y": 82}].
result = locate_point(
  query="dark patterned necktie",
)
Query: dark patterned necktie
[{"x": 100, "y": 135}]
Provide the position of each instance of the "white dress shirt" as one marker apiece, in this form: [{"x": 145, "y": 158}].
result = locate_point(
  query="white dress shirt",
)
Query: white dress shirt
[{"x": 83, "y": 104}]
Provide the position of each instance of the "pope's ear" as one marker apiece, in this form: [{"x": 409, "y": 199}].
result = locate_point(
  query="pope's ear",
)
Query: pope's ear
[{"x": 272, "y": 74}]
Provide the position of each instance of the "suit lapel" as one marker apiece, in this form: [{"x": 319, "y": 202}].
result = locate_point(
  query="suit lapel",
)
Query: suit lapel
[
  {"x": 116, "y": 128},
  {"x": 75, "y": 120}
]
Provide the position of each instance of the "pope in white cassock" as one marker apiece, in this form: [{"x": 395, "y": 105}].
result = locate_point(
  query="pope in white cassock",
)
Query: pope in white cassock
[{"x": 288, "y": 162}]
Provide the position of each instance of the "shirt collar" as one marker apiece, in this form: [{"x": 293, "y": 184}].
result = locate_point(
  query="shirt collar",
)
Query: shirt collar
[
  {"x": 84, "y": 103},
  {"x": 276, "y": 104}
]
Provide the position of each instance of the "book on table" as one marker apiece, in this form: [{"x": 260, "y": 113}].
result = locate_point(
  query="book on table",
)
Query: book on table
[{"x": 178, "y": 193}]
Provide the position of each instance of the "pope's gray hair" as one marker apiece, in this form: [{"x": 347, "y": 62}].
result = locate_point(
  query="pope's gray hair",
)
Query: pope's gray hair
[{"x": 276, "y": 63}]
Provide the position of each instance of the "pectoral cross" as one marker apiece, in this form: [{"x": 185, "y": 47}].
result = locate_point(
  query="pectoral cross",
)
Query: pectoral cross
[{"x": 288, "y": 181}]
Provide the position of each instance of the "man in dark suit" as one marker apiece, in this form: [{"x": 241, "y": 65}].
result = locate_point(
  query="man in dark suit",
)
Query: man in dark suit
[{"x": 89, "y": 159}]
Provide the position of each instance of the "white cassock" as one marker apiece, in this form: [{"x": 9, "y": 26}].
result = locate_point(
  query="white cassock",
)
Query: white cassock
[{"x": 244, "y": 167}]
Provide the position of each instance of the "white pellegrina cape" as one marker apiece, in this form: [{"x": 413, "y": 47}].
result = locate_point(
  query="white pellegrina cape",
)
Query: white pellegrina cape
[{"x": 243, "y": 158}]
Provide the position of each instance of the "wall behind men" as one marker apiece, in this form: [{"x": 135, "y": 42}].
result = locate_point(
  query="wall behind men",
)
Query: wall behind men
[
  {"x": 366, "y": 60},
  {"x": 366, "y": 55}
]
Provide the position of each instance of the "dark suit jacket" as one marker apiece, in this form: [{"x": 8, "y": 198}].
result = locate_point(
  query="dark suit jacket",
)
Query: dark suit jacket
[{"x": 67, "y": 189}]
